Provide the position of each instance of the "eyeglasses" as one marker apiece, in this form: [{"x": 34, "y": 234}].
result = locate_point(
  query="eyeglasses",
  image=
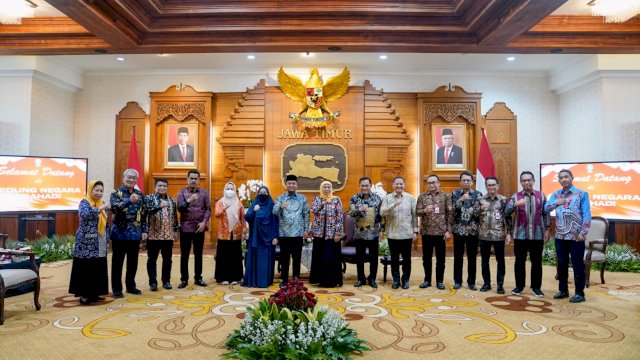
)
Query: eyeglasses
[{"x": 492, "y": 185}]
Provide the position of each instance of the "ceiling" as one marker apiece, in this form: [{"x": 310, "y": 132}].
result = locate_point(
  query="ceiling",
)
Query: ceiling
[{"x": 73, "y": 27}]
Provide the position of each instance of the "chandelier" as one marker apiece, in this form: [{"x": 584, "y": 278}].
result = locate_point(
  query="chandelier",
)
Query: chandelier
[
  {"x": 13, "y": 11},
  {"x": 616, "y": 11}
]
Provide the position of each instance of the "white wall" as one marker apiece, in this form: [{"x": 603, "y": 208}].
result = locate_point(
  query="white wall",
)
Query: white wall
[
  {"x": 15, "y": 114},
  {"x": 52, "y": 120},
  {"x": 621, "y": 125}
]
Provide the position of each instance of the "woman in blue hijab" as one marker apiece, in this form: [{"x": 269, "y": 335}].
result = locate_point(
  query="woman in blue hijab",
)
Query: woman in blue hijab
[{"x": 263, "y": 232}]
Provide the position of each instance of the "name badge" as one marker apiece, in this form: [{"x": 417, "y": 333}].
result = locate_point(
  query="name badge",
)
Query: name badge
[
  {"x": 498, "y": 215},
  {"x": 436, "y": 209}
]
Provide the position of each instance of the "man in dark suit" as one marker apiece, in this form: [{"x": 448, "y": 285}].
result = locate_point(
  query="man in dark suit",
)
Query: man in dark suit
[
  {"x": 448, "y": 153},
  {"x": 181, "y": 152}
]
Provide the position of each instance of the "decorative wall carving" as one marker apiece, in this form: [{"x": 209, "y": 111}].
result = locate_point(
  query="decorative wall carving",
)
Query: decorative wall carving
[
  {"x": 501, "y": 127},
  {"x": 450, "y": 112},
  {"x": 181, "y": 112}
]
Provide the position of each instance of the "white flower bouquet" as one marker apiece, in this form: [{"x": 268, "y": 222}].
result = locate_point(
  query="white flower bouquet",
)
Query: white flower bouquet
[{"x": 248, "y": 191}]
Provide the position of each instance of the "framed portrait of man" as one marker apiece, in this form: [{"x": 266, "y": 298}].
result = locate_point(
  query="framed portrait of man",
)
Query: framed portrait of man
[
  {"x": 181, "y": 141},
  {"x": 449, "y": 147}
]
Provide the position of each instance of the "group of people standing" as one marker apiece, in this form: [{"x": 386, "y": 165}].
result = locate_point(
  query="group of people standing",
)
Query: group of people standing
[{"x": 472, "y": 219}]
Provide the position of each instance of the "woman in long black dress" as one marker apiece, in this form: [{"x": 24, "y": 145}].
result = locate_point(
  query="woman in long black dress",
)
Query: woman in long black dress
[
  {"x": 89, "y": 277},
  {"x": 326, "y": 229}
]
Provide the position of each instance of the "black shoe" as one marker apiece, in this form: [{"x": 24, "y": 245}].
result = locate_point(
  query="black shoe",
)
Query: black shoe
[
  {"x": 373, "y": 284},
  {"x": 538, "y": 292},
  {"x": 96, "y": 299},
  {"x": 517, "y": 291},
  {"x": 85, "y": 301},
  {"x": 153, "y": 287},
  {"x": 440, "y": 286},
  {"x": 359, "y": 283},
  {"x": 396, "y": 284},
  {"x": 485, "y": 288},
  {"x": 199, "y": 282},
  {"x": 561, "y": 295},
  {"x": 577, "y": 298},
  {"x": 425, "y": 284},
  {"x": 183, "y": 284},
  {"x": 283, "y": 284},
  {"x": 405, "y": 285},
  {"x": 167, "y": 286},
  {"x": 456, "y": 286},
  {"x": 117, "y": 294},
  {"x": 500, "y": 289},
  {"x": 473, "y": 287},
  {"x": 134, "y": 291}
]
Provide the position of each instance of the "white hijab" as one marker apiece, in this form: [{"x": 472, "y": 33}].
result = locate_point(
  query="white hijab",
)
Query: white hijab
[{"x": 234, "y": 205}]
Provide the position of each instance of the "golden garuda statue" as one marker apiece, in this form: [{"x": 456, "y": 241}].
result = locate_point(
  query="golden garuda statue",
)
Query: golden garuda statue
[{"x": 314, "y": 96}]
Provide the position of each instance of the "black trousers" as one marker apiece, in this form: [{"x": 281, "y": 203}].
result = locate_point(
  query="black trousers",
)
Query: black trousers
[
  {"x": 459, "y": 244},
  {"x": 290, "y": 247},
  {"x": 534, "y": 249},
  {"x": 428, "y": 243},
  {"x": 576, "y": 249},
  {"x": 155, "y": 247},
  {"x": 485, "y": 253},
  {"x": 120, "y": 249},
  {"x": 186, "y": 239},
  {"x": 362, "y": 257},
  {"x": 399, "y": 247}
]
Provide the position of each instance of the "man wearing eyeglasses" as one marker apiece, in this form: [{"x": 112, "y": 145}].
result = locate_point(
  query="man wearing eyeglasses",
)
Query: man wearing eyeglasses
[
  {"x": 128, "y": 229},
  {"x": 436, "y": 213},
  {"x": 466, "y": 206}
]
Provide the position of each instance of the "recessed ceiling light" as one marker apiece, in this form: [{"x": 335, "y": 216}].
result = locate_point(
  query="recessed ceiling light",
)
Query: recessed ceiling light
[
  {"x": 120, "y": 58},
  {"x": 511, "y": 58},
  {"x": 251, "y": 57},
  {"x": 163, "y": 55},
  {"x": 382, "y": 57}
]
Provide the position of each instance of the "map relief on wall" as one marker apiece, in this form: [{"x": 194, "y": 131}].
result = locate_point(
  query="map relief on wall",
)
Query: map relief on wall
[{"x": 314, "y": 163}]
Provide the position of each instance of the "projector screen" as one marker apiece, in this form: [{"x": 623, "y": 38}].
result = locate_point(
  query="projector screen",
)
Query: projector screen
[
  {"x": 613, "y": 187},
  {"x": 29, "y": 183}
]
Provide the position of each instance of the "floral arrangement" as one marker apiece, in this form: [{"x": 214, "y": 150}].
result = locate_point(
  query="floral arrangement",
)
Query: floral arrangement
[
  {"x": 290, "y": 325},
  {"x": 294, "y": 296},
  {"x": 378, "y": 189},
  {"x": 248, "y": 191}
]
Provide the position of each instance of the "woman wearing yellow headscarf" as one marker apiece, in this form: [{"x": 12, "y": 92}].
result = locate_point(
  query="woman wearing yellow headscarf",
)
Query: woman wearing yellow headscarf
[
  {"x": 326, "y": 229},
  {"x": 89, "y": 277}
]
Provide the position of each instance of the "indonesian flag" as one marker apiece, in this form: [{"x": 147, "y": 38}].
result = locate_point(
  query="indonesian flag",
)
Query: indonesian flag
[
  {"x": 486, "y": 167},
  {"x": 134, "y": 161}
]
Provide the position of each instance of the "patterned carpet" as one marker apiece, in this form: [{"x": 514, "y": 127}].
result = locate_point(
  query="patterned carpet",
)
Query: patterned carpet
[{"x": 398, "y": 324}]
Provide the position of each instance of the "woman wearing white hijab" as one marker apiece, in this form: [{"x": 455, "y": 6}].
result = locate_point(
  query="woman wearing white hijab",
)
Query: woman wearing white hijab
[{"x": 231, "y": 226}]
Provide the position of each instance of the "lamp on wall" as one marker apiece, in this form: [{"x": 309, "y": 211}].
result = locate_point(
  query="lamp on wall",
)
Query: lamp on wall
[
  {"x": 617, "y": 11},
  {"x": 13, "y": 11}
]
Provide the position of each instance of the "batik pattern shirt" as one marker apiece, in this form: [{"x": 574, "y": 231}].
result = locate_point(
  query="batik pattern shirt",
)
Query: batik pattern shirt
[
  {"x": 367, "y": 222},
  {"x": 192, "y": 214},
  {"x": 437, "y": 221},
  {"x": 574, "y": 217},
  {"x": 327, "y": 219},
  {"x": 531, "y": 219},
  {"x": 494, "y": 223},
  {"x": 162, "y": 222},
  {"x": 130, "y": 219},
  {"x": 466, "y": 213},
  {"x": 294, "y": 220},
  {"x": 401, "y": 221}
]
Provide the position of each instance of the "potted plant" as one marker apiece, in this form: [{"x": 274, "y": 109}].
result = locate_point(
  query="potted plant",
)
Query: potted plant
[{"x": 291, "y": 325}]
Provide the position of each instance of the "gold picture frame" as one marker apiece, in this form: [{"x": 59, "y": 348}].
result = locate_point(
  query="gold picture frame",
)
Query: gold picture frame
[
  {"x": 453, "y": 157},
  {"x": 303, "y": 160},
  {"x": 175, "y": 156}
]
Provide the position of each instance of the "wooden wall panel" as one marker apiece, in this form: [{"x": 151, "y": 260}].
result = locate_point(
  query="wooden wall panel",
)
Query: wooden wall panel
[
  {"x": 66, "y": 223},
  {"x": 129, "y": 117},
  {"x": 628, "y": 233},
  {"x": 9, "y": 225},
  {"x": 502, "y": 134}
]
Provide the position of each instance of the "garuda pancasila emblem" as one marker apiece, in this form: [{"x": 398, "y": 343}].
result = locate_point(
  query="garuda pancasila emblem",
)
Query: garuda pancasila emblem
[{"x": 314, "y": 96}]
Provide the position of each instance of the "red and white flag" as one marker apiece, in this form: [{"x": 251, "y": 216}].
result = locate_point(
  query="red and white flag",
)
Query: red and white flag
[
  {"x": 486, "y": 167},
  {"x": 134, "y": 161}
]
